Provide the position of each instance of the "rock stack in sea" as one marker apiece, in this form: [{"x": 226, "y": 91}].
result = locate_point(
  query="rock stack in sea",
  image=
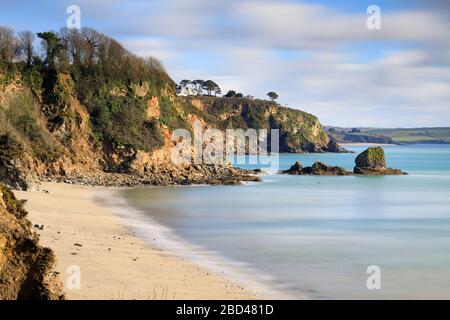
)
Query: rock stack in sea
[{"x": 372, "y": 162}]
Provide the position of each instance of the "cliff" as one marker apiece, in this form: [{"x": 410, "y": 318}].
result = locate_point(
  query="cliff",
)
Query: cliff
[
  {"x": 108, "y": 119},
  {"x": 26, "y": 268},
  {"x": 299, "y": 131}
]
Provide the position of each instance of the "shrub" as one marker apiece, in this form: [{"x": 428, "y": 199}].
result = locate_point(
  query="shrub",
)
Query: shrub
[{"x": 22, "y": 115}]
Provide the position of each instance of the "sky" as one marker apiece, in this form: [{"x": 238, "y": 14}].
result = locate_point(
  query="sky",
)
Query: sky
[{"x": 319, "y": 56}]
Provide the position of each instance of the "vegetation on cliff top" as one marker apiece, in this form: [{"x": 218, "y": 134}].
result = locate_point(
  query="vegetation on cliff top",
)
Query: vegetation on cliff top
[{"x": 104, "y": 80}]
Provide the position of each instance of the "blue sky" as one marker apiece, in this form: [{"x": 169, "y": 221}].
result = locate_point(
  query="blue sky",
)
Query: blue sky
[{"x": 318, "y": 55}]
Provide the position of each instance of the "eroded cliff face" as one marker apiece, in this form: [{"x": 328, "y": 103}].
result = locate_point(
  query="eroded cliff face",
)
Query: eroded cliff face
[
  {"x": 299, "y": 131},
  {"x": 122, "y": 133},
  {"x": 38, "y": 140},
  {"x": 26, "y": 268}
]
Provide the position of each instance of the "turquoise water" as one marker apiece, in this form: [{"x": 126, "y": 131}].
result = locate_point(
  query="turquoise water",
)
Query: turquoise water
[{"x": 316, "y": 236}]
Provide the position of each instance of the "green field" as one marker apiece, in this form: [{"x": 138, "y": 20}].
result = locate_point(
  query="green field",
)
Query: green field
[{"x": 414, "y": 135}]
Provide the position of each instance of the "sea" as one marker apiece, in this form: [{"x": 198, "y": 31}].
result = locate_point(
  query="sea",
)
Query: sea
[{"x": 313, "y": 237}]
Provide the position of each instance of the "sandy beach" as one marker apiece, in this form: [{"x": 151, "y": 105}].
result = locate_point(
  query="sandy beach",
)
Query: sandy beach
[{"x": 114, "y": 263}]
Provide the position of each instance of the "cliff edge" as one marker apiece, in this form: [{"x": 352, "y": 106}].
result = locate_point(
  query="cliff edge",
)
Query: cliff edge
[
  {"x": 106, "y": 117},
  {"x": 26, "y": 268}
]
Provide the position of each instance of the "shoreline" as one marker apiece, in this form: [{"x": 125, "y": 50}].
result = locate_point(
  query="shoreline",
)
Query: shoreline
[
  {"x": 368, "y": 144},
  {"x": 114, "y": 262},
  {"x": 165, "y": 239}
]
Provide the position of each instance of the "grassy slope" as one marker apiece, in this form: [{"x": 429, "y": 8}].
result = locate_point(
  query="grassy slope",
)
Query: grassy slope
[{"x": 414, "y": 135}]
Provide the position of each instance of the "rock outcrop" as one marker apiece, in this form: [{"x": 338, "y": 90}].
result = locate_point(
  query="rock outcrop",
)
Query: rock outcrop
[
  {"x": 300, "y": 132},
  {"x": 371, "y": 158},
  {"x": 26, "y": 268},
  {"x": 317, "y": 169},
  {"x": 14, "y": 167},
  {"x": 372, "y": 162},
  {"x": 164, "y": 176}
]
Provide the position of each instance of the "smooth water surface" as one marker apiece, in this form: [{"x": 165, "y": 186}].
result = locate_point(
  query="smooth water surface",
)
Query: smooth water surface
[{"x": 316, "y": 236}]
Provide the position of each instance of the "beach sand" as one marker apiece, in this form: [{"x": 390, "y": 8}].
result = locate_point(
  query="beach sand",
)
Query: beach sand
[{"x": 114, "y": 263}]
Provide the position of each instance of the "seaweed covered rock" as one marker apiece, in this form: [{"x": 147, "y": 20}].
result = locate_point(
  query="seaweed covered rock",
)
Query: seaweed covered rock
[
  {"x": 296, "y": 168},
  {"x": 371, "y": 158},
  {"x": 378, "y": 171},
  {"x": 372, "y": 162},
  {"x": 26, "y": 268},
  {"x": 317, "y": 169}
]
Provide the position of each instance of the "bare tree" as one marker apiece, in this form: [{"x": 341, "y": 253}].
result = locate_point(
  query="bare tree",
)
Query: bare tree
[
  {"x": 9, "y": 48},
  {"x": 74, "y": 42},
  {"x": 91, "y": 41},
  {"x": 26, "y": 39}
]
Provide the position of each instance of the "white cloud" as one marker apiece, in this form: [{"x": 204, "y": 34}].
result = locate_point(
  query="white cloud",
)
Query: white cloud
[
  {"x": 402, "y": 87},
  {"x": 336, "y": 69},
  {"x": 146, "y": 47}
]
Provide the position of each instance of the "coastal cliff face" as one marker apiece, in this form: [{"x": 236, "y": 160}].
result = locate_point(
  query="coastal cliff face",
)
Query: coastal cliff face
[
  {"x": 48, "y": 134},
  {"x": 299, "y": 131},
  {"x": 26, "y": 268},
  {"x": 109, "y": 120},
  {"x": 52, "y": 136}
]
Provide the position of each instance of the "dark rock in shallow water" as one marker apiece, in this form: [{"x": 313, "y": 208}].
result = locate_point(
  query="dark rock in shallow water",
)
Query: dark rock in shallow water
[
  {"x": 296, "y": 167},
  {"x": 212, "y": 174},
  {"x": 317, "y": 169},
  {"x": 372, "y": 162},
  {"x": 378, "y": 172},
  {"x": 321, "y": 169}
]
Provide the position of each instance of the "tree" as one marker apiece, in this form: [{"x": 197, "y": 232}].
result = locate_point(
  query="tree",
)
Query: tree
[
  {"x": 9, "y": 48},
  {"x": 52, "y": 45},
  {"x": 198, "y": 85},
  {"x": 239, "y": 95},
  {"x": 183, "y": 85},
  {"x": 230, "y": 94},
  {"x": 210, "y": 86},
  {"x": 26, "y": 39},
  {"x": 185, "y": 82},
  {"x": 75, "y": 45},
  {"x": 91, "y": 40},
  {"x": 273, "y": 95}
]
